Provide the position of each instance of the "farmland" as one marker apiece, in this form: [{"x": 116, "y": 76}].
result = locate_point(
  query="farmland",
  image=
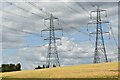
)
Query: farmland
[{"x": 101, "y": 70}]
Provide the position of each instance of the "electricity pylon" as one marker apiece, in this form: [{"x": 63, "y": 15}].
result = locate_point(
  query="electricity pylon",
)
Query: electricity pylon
[
  {"x": 52, "y": 55},
  {"x": 100, "y": 50}
]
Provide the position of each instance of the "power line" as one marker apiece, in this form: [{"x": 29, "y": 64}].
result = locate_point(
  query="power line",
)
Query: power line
[
  {"x": 26, "y": 32},
  {"x": 76, "y": 57},
  {"x": 59, "y": 19},
  {"x": 113, "y": 34},
  {"x": 63, "y": 22},
  {"x": 71, "y": 8},
  {"x": 9, "y": 19},
  {"x": 92, "y": 4},
  {"x": 87, "y": 13},
  {"x": 84, "y": 9},
  {"x": 110, "y": 27},
  {"x": 111, "y": 44},
  {"x": 25, "y": 10},
  {"x": 22, "y": 47},
  {"x": 32, "y": 4},
  {"x": 72, "y": 27},
  {"x": 48, "y": 13},
  {"x": 16, "y": 14}
]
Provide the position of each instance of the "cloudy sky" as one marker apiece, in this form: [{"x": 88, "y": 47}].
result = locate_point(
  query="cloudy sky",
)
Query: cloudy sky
[{"x": 22, "y": 22}]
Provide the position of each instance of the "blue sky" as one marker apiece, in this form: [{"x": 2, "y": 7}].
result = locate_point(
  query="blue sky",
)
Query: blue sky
[{"x": 73, "y": 42}]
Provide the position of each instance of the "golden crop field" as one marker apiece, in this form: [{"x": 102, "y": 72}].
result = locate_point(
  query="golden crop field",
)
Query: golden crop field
[{"x": 101, "y": 70}]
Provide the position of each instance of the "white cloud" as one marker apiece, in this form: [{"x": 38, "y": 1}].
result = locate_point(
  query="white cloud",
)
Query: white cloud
[
  {"x": 73, "y": 55},
  {"x": 70, "y": 52}
]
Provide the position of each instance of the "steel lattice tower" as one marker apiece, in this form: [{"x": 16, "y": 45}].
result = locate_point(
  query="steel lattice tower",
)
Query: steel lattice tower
[
  {"x": 52, "y": 55},
  {"x": 100, "y": 50}
]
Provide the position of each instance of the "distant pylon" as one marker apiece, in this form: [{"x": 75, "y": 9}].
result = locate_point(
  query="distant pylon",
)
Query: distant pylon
[
  {"x": 52, "y": 55},
  {"x": 100, "y": 50}
]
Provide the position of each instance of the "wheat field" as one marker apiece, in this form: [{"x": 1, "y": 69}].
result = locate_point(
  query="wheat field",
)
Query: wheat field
[{"x": 101, "y": 70}]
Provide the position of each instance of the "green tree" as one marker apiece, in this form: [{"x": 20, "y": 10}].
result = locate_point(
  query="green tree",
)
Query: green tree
[
  {"x": 38, "y": 67},
  {"x": 12, "y": 67},
  {"x": 54, "y": 65},
  {"x": 0, "y": 69},
  {"x": 47, "y": 66},
  {"x": 43, "y": 66},
  {"x": 18, "y": 67},
  {"x": 5, "y": 68}
]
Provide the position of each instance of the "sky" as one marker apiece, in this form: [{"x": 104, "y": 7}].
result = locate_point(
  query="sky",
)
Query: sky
[{"x": 21, "y": 25}]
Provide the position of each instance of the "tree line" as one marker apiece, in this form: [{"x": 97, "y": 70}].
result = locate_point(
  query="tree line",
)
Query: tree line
[
  {"x": 10, "y": 67},
  {"x": 17, "y": 67},
  {"x": 42, "y": 67}
]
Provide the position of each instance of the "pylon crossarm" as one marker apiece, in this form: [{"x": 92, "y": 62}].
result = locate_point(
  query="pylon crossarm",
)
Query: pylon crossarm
[
  {"x": 98, "y": 33},
  {"x": 46, "y": 18},
  {"x": 53, "y": 38},
  {"x": 103, "y": 10},
  {"x": 55, "y": 17},
  {"x": 98, "y": 22},
  {"x": 58, "y": 29},
  {"x": 48, "y": 29}
]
